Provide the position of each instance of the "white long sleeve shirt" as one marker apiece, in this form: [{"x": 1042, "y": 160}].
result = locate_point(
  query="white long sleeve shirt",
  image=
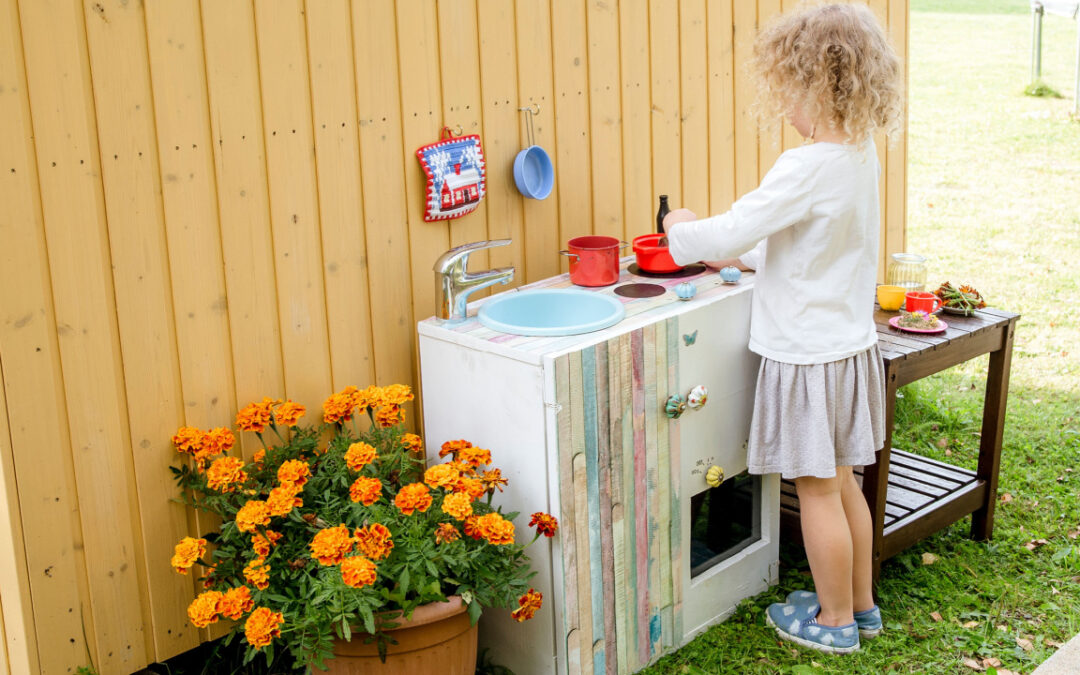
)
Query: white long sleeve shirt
[{"x": 817, "y": 209}]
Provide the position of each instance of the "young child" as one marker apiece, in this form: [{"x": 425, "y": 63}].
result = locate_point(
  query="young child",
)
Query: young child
[{"x": 814, "y": 219}]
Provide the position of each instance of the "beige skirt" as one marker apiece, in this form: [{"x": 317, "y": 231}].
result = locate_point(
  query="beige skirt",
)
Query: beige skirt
[{"x": 810, "y": 419}]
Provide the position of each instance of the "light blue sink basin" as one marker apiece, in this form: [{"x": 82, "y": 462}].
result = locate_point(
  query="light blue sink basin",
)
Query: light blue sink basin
[{"x": 562, "y": 311}]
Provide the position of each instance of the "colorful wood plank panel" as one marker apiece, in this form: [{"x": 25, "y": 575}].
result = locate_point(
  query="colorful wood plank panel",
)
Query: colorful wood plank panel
[{"x": 620, "y": 500}]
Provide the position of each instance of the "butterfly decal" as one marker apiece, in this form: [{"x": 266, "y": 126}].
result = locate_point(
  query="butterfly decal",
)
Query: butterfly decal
[{"x": 690, "y": 339}]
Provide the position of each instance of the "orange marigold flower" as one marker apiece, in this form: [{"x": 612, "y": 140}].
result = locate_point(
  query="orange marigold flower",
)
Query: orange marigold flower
[
  {"x": 251, "y": 515},
  {"x": 396, "y": 394},
  {"x": 259, "y": 457},
  {"x": 257, "y": 572},
  {"x": 446, "y": 533},
  {"x": 473, "y": 487},
  {"x": 496, "y": 529},
  {"x": 186, "y": 553},
  {"x": 545, "y": 523},
  {"x": 471, "y": 528},
  {"x": 284, "y": 499},
  {"x": 209, "y": 580},
  {"x": 527, "y": 605},
  {"x": 262, "y": 544},
  {"x": 262, "y": 627},
  {"x": 235, "y": 603},
  {"x": 458, "y": 505},
  {"x": 188, "y": 439},
  {"x": 442, "y": 476},
  {"x": 374, "y": 541},
  {"x": 389, "y": 415},
  {"x": 474, "y": 457},
  {"x": 225, "y": 474},
  {"x": 330, "y": 545},
  {"x": 357, "y": 571},
  {"x": 256, "y": 416},
  {"x": 217, "y": 441},
  {"x": 359, "y": 455},
  {"x": 289, "y": 413},
  {"x": 295, "y": 471},
  {"x": 203, "y": 610},
  {"x": 412, "y": 442},
  {"x": 492, "y": 478},
  {"x": 454, "y": 447},
  {"x": 339, "y": 407},
  {"x": 365, "y": 490},
  {"x": 413, "y": 497}
]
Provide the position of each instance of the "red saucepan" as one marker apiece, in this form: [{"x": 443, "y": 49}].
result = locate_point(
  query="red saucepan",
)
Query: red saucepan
[
  {"x": 652, "y": 257},
  {"x": 594, "y": 260}
]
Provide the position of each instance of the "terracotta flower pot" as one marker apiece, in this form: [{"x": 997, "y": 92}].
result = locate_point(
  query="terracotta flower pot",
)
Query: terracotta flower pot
[{"x": 437, "y": 639}]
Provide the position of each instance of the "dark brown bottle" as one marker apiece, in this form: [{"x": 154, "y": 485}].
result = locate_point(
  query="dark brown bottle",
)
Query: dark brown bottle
[{"x": 664, "y": 210}]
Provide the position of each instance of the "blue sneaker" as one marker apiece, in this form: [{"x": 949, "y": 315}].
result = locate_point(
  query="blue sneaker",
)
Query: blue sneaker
[
  {"x": 868, "y": 620},
  {"x": 796, "y": 623}
]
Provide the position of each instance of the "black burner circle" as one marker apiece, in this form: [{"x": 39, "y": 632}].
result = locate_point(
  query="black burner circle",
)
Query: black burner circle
[
  {"x": 640, "y": 290},
  {"x": 688, "y": 271}
]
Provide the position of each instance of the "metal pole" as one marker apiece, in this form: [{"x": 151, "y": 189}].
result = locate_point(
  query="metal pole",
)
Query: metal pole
[
  {"x": 1036, "y": 42},
  {"x": 1076, "y": 88}
]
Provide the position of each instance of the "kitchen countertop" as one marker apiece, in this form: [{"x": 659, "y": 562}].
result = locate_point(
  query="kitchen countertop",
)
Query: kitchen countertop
[{"x": 639, "y": 312}]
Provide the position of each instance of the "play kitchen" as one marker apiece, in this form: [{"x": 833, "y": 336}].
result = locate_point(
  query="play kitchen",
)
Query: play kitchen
[{"x": 626, "y": 416}]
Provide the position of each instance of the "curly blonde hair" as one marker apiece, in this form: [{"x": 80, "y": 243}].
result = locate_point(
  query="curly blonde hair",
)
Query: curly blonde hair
[{"x": 835, "y": 61}]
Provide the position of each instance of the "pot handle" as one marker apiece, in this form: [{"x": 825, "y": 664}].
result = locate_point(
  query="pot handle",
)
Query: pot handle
[
  {"x": 623, "y": 244},
  {"x": 568, "y": 254}
]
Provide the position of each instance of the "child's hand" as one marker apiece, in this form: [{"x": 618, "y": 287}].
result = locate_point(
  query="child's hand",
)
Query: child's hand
[{"x": 678, "y": 216}]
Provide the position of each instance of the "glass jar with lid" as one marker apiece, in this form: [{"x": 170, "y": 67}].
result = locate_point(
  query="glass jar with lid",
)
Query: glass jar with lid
[{"x": 907, "y": 270}]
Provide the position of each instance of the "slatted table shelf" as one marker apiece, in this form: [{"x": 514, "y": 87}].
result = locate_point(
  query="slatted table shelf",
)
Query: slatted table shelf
[{"x": 911, "y": 496}]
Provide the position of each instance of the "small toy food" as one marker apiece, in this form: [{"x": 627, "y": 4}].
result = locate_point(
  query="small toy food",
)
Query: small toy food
[
  {"x": 918, "y": 320},
  {"x": 964, "y": 299}
]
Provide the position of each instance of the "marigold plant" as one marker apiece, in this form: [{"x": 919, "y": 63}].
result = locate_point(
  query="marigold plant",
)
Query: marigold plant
[{"x": 336, "y": 525}]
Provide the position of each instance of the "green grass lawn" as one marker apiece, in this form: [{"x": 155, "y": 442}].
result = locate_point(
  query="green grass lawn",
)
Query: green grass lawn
[{"x": 994, "y": 201}]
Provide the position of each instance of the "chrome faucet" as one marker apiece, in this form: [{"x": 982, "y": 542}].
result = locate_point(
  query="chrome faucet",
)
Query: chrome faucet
[{"x": 453, "y": 283}]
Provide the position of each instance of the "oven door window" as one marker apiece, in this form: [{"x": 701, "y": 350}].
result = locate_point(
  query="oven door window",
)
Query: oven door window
[{"x": 723, "y": 521}]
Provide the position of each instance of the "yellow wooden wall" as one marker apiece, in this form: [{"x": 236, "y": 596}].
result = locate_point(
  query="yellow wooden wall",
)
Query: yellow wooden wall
[{"x": 202, "y": 203}]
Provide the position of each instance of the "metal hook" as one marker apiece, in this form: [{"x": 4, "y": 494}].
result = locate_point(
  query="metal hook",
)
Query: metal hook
[
  {"x": 459, "y": 131},
  {"x": 530, "y": 134},
  {"x": 530, "y": 108}
]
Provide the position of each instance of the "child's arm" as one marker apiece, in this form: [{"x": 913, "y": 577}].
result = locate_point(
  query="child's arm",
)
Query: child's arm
[{"x": 782, "y": 199}]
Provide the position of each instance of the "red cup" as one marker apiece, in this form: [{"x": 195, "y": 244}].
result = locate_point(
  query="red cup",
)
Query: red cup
[
  {"x": 594, "y": 260},
  {"x": 920, "y": 301}
]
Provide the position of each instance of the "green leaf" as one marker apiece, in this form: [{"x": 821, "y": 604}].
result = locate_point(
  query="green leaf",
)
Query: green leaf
[
  {"x": 404, "y": 580},
  {"x": 475, "y": 610}
]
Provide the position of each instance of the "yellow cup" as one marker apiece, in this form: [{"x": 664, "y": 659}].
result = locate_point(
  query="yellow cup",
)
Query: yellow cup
[{"x": 890, "y": 297}]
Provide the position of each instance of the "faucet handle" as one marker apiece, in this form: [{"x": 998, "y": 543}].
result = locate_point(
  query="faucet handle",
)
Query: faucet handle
[{"x": 450, "y": 258}]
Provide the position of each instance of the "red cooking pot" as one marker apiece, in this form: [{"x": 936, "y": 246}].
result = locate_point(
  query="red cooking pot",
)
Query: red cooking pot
[
  {"x": 594, "y": 260},
  {"x": 651, "y": 257}
]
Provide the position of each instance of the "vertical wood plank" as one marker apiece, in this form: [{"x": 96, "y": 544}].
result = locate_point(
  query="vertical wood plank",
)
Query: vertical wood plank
[
  {"x": 37, "y": 448},
  {"x": 894, "y": 172},
  {"x": 459, "y": 62},
  {"x": 639, "y": 199},
  {"x": 665, "y": 105},
  {"x": 744, "y": 18},
  {"x": 770, "y": 139},
  {"x": 626, "y": 402},
  {"x": 18, "y": 652},
  {"x": 605, "y": 115},
  {"x": 619, "y": 487},
  {"x": 641, "y": 499},
  {"x": 675, "y": 451},
  {"x": 63, "y": 118},
  {"x": 567, "y": 515},
  {"x": 572, "y": 140},
  {"x": 341, "y": 210},
  {"x": 235, "y": 102},
  {"x": 422, "y": 117},
  {"x": 581, "y": 513},
  {"x": 116, "y": 38},
  {"x": 294, "y": 213},
  {"x": 607, "y": 553},
  {"x": 694, "y": 115},
  {"x": 721, "y": 105},
  {"x": 663, "y": 490},
  {"x": 383, "y": 176},
  {"x": 653, "y": 486},
  {"x": 791, "y": 138},
  {"x": 499, "y": 111},
  {"x": 592, "y": 467},
  {"x": 541, "y": 216}
]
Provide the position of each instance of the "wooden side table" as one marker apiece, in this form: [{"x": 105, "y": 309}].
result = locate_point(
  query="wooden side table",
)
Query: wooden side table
[{"x": 910, "y": 496}]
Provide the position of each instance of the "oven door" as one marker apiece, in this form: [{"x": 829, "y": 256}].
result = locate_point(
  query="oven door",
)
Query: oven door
[{"x": 730, "y": 531}]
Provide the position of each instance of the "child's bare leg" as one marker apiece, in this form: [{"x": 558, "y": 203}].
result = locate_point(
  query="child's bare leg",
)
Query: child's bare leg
[
  {"x": 861, "y": 527},
  {"x": 828, "y": 546}
]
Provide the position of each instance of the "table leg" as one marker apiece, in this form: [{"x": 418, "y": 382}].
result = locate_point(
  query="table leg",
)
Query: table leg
[
  {"x": 876, "y": 476},
  {"x": 993, "y": 427}
]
